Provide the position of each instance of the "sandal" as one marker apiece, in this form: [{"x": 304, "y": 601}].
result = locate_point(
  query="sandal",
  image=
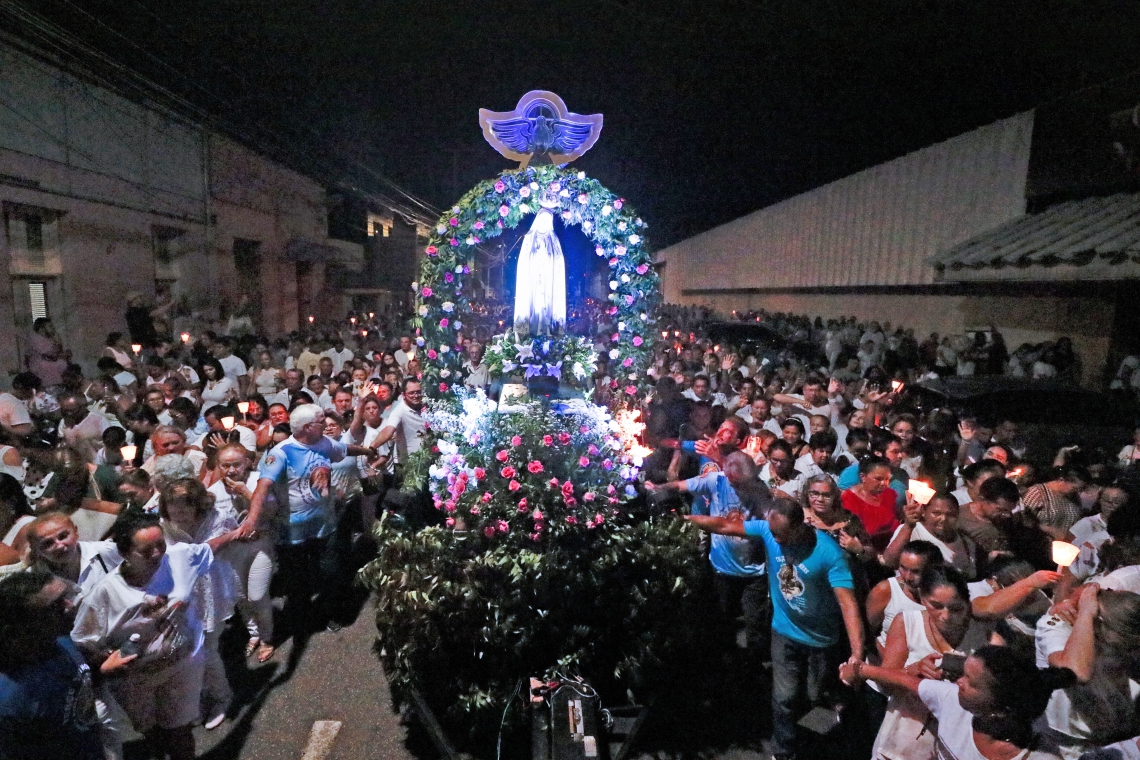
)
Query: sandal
[
  {"x": 265, "y": 652},
  {"x": 252, "y": 646}
]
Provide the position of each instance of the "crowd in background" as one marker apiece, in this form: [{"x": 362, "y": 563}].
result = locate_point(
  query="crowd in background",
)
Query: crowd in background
[{"x": 190, "y": 480}]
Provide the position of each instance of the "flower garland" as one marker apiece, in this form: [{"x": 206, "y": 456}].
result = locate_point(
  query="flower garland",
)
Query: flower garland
[
  {"x": 567, "y": 357},
  {"x": 495, "y": 205}
]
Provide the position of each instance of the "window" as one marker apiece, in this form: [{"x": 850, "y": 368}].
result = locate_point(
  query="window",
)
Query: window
[
  {"x": 37, "y": 299},
  {"x": 33, "y": 239}
]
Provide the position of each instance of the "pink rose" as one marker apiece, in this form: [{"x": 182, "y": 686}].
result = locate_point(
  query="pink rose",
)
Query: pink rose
[
  {"x": 513, "y": 485},
  {"x": 631, "y": 390},
  {"x": 637, "y": 341},
  {"x": 535, "y": 536},
  {"x": 611, "y": 490},
  {"x": 503, "y": 210},
  {"x": 547, "y": 440},
  {"x": 618, "y": 204},
  {"x": 449, "y": 522},
  {"x": 453, "y": 221},
  {"x": 444, "y": 322},
  {"x": 594, "y": 450},
  {"x": 487, "y": 497},
  {"x": 502, "y": 526},
  {"x": 425, "y": 292},
  {"x": 564, "y": 438},
  {"x": 475, "y": 509},
  {"x": 567, "y": 488},
  {"x": 449, "y": 505},
  {"x": 443, "y": 387},
  {"x": 554, "y": 483},
  {"x": 615, "y": 338},
  {"x": 570, "y": 500},
  {"x": 501, "y": 455},
  {"x": 500, "y": 187},
  {"x": 642, "y": 268},
  {"x": 583, "y": 199},
  {"x": 523, "y": 508},
  {"x": 571, "y": 520},
  {"x": 480, "y": 472},
  {"x": 588, "y": 496},
  {"x": 453, "y": 242},
  {"x": 448, "y": 277},
  {"x": 585, "y": 429},
  {"x": 508, "y": 472},
  {"x": 478, "y": 225},
  {"x": 583, "y": 461},
  {"x": 629, "y": 300},
  {"x": 612, "y": 310},
  {"x": 534, "y": 467},
  {"x": 537, "y": 515},
  {"x": 627, "y": 362},
  {"x": 489, "y": 532},
  {"x": 516, "y": 441},
  {"x": 613, "y": 262},
  {"x": 431, "y": 250},
  {"x": 599, "y": 250},
  {"x": 432, "y": 354}
]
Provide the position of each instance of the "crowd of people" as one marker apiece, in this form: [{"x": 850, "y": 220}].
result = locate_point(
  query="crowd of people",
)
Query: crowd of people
[
  {"x": 893, "y": 567},
  {"x": 173, "y": 493},
  {"x": 186, "y": 483}
]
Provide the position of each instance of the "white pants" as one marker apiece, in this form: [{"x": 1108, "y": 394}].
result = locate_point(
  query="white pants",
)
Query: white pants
[{"x": 253, "y": 562}]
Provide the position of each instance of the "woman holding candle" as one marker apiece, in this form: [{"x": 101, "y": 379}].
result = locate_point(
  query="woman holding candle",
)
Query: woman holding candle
[{"x": 873, "y": 501}]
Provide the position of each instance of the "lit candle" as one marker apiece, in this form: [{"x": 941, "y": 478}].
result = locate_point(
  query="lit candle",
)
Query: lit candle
[
  {"x": 243, "y": 406},
  {"x": 136, "y": 347},
  {"x": 664, "y": 333},
  {"x": 371, "y": 314},
  {"x": 1064, "y": 554},
  {"x": 129, "y": 453},
  {"x": 364, "y": 333},
  {"x": 352, "y": 320},
  {"x": 921, "y": 492},
  {"x": 228, "y": 423},
  {"x": 896, "y": 386},
  {"x": 185, "y": 337},
  {"x": 311, "y": 319}
]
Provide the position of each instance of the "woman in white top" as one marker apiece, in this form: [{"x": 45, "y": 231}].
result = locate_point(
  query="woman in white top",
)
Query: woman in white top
[
  {"x": 918, "y": 643},
  {"x": 252, "y": 560},
  {"x": 118, "y": 348},
  {"x": 55, "y": 546},
  {"x": 899, "y": 593},
  {"x": 988, "y": 713},
  {"x": 1099, "y": 646},
  {"x": 216, "y": 387},
  {"x": 267, "y": 377},
  {"x": 189, "y": 516},
  {"x": 149, "y": 605},
  {"x": 937, "y": 523}
]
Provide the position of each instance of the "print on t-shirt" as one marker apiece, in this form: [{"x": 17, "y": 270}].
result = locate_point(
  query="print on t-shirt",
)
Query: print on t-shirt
[{"x": 791, "y": 587}]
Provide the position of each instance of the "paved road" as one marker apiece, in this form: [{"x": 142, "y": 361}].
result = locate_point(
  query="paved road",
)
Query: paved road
[{"x": 332, "y": 677}]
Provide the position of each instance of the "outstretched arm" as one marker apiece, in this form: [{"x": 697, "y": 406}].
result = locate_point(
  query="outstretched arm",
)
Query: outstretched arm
[{"x": 721, "y": 525}]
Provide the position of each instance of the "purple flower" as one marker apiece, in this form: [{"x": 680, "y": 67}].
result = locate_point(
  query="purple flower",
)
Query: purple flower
[
  {"x": 503, "y": 210},
  {"x": 642, "y": 268},
  {"x": 454, "y": 222},
  {"x": 448, "y": 277},
  {"x": 500, "y": 187},
  {"x": 637, "y": 340},
  {"x": 425, "y": 292}
]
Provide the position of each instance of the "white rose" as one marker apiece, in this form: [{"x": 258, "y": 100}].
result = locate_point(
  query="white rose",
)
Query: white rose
[
  {"x": 533, "y": 185},
  {"x": 470, "y": 240},
  {"x": 447, "y": 306},
  {"x": 441, "y": 229},
  {"x": 581, "y": 175},
  {"x": 621, "y": 325},
  {"x": 523, "y": 207},
  {"x": 445, "y": 373},
  {"x": 613, "y": 285},
  {"x": 619, "y": 250},
  {"x": 634, "y": 239},
  {"x": 625, "y": 278},
  {"x": 444, "y": 349},
  {"x": 621, "y": 226},
  {"x": 614, "y": 353},
  {"x": 607, "y": 210},
  {"x": 423, "y": 311}
]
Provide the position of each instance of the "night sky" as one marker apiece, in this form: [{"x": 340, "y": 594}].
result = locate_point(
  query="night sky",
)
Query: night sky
[{"x": 713, "y": 108}]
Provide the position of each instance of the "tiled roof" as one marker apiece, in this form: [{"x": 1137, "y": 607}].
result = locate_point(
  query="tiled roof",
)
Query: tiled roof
[{"x": 1074, "y": 232}]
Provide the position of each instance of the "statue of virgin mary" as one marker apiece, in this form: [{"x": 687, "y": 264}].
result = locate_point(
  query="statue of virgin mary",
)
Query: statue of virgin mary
[{"x": 540, "y": 279}]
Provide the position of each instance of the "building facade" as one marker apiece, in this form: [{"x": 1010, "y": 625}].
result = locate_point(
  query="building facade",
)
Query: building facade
[{"x": 105, "y": 198}]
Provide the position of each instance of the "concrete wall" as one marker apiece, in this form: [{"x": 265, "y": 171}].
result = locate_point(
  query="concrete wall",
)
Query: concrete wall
[{"x": 1020, "y": 319}]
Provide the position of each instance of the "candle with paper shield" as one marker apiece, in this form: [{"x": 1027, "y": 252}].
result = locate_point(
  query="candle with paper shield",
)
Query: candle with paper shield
[
  {"x": 228, "y": 423},
  {"x": 185, "y": 337},
  {"x": 136, "y": 347},
  {"x": 129, "y": 453},
  {"x": 896, "y": 386},
  {"x": 1064, "y": 554},
  {"x": 243, "y": 407},
  {"x": 921, "y": 492}
]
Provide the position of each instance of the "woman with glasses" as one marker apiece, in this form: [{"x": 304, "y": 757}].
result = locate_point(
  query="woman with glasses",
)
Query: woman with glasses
[{"x": 824, "y": 511}]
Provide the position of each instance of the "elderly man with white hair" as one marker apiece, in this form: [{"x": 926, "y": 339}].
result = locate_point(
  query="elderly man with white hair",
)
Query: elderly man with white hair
[{"x": 297, "y": 472}]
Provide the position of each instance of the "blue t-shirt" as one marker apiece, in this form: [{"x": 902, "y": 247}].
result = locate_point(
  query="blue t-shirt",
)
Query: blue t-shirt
[
  {"x": 729, "y": 555},
  {"x": 804, "y": 607},
  {"x": 850, "y": 477},
  {"x": 47, "y": 709},
  {"x": 291, "y": 465}
]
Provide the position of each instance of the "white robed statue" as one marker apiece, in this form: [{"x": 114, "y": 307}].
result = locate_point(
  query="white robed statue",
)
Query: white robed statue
[{"x": 540, "y": 279}]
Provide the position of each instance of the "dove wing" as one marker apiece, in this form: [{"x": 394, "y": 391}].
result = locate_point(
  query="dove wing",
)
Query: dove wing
[
  {"x": 516, "y": 134},
  {"x": 569, "y": 135}
]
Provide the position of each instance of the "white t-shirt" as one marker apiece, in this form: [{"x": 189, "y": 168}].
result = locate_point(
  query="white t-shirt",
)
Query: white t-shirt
[
  {"x": 959, "y": 554},
  {"x": 771, "y": 424},
  {"x": 1091, "y": 530},
  {"x": 715, "y": 399},
  {"x": 88, "y": 434},
  {"x": 111, "y": 611},
  {"x": 955, "y": 724},
  {"x": 97, "y": 560},
  {"x": 13, "y": 411},
  {"x": 233, "y": 366},
  {"x": 409, "y": 429},
  {"x": 224, "y": 502},
  {"x": 339, "y": 358},
  {"x": 402, "y": 357}
]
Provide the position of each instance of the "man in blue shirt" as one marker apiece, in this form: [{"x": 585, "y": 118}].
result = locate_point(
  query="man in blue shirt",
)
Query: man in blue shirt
[
  {"x": 813, "y": 604},
  {"x": 298, "y": 471},
  {"x": 47, "y": 703},
  {"x": 737, "y": 563}
]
